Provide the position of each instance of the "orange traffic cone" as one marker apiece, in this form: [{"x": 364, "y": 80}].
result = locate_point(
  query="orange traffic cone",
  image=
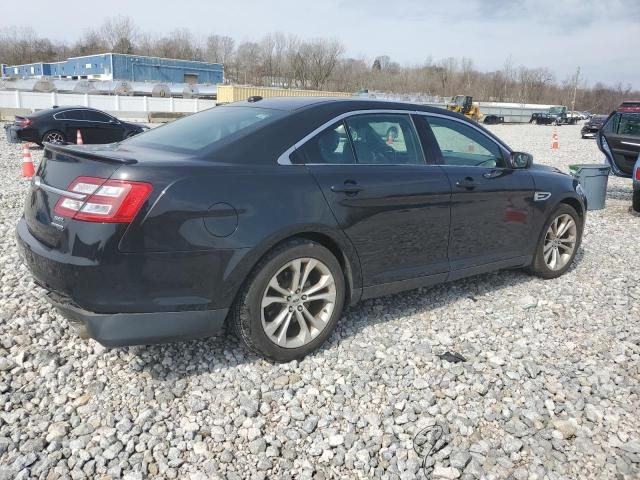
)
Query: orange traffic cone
[
  {"x": 79, "y": 138},
  {"x": 28, "y": 169},
  {"x": 555, "y": 144}
]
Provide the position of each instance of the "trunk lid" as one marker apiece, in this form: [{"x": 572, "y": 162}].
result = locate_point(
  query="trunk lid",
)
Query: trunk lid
[{"x": 61, "y": 165}]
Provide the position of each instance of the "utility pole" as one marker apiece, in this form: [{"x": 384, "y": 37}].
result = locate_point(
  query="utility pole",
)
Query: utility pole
[{"x": 575, "y": 89}]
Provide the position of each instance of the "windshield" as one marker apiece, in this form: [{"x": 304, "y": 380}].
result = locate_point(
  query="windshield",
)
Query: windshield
[
  {"x": 555, "y": 110},
  {"x": 201, "y": 130}
]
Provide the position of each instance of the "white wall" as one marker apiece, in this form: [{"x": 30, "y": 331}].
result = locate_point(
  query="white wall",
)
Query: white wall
[{"x": 37, "y": 101}]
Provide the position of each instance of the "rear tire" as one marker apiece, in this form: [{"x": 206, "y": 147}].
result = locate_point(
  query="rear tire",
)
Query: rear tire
[
  {"x": 54, "y": 136},
  {"x": 558, "y": 244},
  {"x": 275, "y": 316}
]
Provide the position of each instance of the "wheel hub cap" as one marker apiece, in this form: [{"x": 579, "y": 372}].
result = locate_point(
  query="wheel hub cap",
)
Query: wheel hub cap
[
  {"x": 560, "y": 242},
  {"x": 298, "y": 302}
]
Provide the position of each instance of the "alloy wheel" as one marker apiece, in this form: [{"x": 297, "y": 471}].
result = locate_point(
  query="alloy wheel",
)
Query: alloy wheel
[
  {"x": 560, "y": 242},
  {"x": 54, "y": 137},
  {"x": 298, "y": 302}
]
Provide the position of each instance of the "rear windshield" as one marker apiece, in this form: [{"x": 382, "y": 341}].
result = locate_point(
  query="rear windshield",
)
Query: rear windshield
[{"x": 201, "y": 130}]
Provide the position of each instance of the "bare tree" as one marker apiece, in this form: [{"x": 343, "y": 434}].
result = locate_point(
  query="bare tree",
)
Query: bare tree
[
  {"x": 219, "y": 49},
  {"x": 119, "y": 34}
]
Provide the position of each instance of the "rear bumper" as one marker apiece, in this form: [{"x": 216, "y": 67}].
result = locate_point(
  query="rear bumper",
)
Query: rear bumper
[
  {"x": 11, "y": 132},
  {"x": 121, "y": 329},
  {"x": 16, "y": 134},
  {"x": 134, "y": 298}
]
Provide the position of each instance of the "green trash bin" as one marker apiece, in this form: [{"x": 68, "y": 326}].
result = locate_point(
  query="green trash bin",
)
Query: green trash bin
[{"x": 593, "y": 178}]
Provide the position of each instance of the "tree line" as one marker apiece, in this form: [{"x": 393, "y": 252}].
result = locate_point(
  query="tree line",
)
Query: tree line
[{"x": 289, "y": 61}]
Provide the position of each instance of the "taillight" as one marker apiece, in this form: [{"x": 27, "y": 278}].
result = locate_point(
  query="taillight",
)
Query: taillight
[
  {"x": 96, "y": 199},
  {"x": 25, "y": 122},
  {"x": 638, "y": 173}
]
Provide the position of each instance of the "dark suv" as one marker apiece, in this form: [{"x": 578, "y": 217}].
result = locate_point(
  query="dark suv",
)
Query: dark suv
[{"x": 619, "y": 138}]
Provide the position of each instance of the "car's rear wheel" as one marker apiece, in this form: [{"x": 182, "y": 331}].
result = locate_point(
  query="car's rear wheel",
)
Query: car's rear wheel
[
  {"x": 54, "y": 136},
  {"x": 291, "y": 302},
  {"x": 558, "y": 243}
]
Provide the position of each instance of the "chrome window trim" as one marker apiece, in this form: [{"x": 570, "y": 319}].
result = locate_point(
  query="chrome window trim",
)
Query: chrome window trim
[
  {"x": 78, "y": 120},
  {"x": 38, "y": 183},
  {"x": 284, "y": 159}
]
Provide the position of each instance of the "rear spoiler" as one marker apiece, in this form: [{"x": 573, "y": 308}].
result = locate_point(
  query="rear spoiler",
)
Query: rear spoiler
[{"x": 71, "y": 150}]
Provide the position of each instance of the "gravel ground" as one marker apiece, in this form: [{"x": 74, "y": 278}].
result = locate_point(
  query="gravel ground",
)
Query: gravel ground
[{"x": 549, "y": 388}]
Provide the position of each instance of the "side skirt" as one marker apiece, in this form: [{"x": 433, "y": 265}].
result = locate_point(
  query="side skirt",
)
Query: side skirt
[{"x": 413, "y": 283}]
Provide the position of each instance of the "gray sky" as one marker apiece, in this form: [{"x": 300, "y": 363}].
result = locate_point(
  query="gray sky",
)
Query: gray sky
[{"x": 601, "y": 36}]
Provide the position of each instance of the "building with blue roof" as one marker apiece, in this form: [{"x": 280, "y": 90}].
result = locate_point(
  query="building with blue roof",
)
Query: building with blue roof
[{"x": 118, "y": 66}]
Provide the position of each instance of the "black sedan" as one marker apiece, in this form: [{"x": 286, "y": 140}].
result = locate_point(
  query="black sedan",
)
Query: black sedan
[
  {"x": 592, "y": 126},
  {"x": 61, "y": 124},
  {"x": 273, "y": 214}
]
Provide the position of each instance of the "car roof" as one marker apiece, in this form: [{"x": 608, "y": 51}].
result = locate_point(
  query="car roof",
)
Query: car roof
[
  {"x": 629, "y": 106},
  {"x": 348, "y": 103}
]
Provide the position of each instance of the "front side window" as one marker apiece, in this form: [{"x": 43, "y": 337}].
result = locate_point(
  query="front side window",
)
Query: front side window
[
  {"x": 330, "y": 146},
  {"x": 463, "y": 145},
  {"x": 97, "y": 116},
  {"x": 75, "y": 115},
  {"x": 384, "y": 139}
]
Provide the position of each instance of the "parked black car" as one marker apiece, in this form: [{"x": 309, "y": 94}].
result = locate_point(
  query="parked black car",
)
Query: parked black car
[
  {"x": 592, "y": 126},
  {"x": 60, "y": 124},
  {"x": 554, "y": 116},
  {"x": 619, "y": 138},
  {"x": 273, "y": 214}
]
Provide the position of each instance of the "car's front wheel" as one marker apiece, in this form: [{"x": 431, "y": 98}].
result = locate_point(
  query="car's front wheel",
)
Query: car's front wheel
[
  {"x": 635, "y": 200},
  {"x": 54, "y": 136},
  {"x": 558, "y": 243},
  {"x": 291, "y": 302}
]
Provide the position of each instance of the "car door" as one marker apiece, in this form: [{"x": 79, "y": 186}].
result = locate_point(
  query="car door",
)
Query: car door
[
  {"x": 72, "y": 121},
  {"x": 491, "y": 203},
  {"x": 392, "y": 205},
  {"x": 620, "y": 141},
  {"x": 102, "y": 127}
]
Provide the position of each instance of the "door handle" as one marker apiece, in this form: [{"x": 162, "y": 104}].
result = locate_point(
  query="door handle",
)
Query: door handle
[
  {"x": 349, "y": 187},
  {"x": 467, "y": 182},
  {"x": 492, "y": 174}
]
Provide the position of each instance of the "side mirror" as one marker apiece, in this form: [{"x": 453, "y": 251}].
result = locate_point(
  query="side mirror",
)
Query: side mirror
[{"x": 521, "y": 160}]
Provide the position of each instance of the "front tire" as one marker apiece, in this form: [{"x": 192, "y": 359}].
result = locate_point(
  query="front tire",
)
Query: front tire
[
  {"x": 291, "y": 302},
  {"x": 558, "y": 244}
]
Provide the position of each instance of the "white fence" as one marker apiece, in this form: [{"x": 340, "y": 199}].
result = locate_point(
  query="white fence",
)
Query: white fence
[
  {"x": 115, "y": 103},
  {"x": 143, "y": 105}
]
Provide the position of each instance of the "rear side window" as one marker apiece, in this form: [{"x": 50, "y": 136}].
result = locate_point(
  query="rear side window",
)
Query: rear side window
[
  {"x": 330, "y": 146},
  {"x": 202, "y": 130},
  {"x": 387, "y": 139}
]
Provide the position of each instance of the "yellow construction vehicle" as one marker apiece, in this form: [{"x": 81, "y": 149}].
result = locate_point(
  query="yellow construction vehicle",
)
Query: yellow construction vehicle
[{"x": 464, "y": 104}]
